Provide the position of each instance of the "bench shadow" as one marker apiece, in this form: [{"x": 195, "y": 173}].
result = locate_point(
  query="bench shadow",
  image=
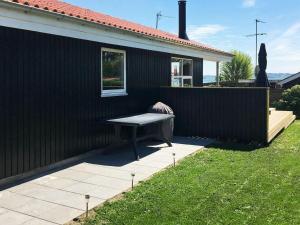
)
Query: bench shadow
[{"x": 123, "y": 155}]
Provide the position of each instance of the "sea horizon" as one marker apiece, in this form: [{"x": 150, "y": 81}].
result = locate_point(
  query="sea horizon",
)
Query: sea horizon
[{"x": 271, "y": 76}]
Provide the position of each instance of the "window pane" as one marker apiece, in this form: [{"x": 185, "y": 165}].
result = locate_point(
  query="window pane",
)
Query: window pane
[
  {"x": 176, "y": 67},
  {"x": 113, "y": 70},
  {"x": 187, "y": 82},
  {"x": 176, "y": 82},
  {"x": 187, "y": 68}
]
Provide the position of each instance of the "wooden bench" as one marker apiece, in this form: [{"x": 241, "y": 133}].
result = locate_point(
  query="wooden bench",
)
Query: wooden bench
[{"x": 134, "y": 122}]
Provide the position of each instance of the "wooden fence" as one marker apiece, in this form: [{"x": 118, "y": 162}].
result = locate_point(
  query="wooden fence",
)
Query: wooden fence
[{"x": 231, "y": 113}]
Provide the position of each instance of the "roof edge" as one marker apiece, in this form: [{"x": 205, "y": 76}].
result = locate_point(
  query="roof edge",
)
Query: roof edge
[
  {"x": 127, "y": 31},
  {"x": 289, "y": 78}
]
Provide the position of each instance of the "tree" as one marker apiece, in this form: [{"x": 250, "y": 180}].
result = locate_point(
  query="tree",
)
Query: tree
[{"x": 240, "y": 67}]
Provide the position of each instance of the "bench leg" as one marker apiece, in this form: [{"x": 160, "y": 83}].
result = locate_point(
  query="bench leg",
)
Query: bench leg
[
  {"x": 168, "y": 142},
  {"x": 134, "y": 134},
  {"x": 163, "y": 138}
]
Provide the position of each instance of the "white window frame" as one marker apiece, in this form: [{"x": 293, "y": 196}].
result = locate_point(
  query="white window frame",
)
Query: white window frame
[
  {"x": 182, "y": 76},
  {"x": 116, "y": 92}
]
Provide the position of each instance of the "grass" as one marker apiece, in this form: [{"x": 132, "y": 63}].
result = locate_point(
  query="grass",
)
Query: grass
[{"x": 227, "y": 184}]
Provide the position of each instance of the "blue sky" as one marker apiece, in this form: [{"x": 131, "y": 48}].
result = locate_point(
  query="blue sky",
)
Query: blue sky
[{"x": 222, "y": 24}]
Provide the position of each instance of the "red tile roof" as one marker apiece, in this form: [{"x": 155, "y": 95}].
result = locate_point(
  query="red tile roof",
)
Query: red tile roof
[{"x": 61, "y": 7}]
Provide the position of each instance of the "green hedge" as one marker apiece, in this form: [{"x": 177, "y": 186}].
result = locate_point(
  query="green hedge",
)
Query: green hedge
[{"x": 290, "y": 100}]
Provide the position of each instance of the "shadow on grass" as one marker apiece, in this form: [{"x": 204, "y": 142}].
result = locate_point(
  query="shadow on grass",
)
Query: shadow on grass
[{"x": 234, "y": 146}]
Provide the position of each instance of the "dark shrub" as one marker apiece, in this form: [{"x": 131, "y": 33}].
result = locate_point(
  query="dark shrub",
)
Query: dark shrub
[{"x": 290, "y": 100}]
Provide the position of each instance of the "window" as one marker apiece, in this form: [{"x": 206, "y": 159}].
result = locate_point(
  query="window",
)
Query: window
[
  {"x": 113, "y": 72},
  {"x": 182, "y": 72}
]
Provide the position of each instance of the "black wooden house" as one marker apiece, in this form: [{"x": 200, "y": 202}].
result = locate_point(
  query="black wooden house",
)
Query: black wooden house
[{"x": 64, "y": 69}]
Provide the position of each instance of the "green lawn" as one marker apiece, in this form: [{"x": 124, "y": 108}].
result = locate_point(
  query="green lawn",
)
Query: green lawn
[{"x": 227, "y": 184}]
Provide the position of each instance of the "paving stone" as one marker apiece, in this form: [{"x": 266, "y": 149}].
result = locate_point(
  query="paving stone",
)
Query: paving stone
[
  {"x": 52, "y": 195},
  {"x": 13, "y": 218},
  {"x": 140, "y": 169},
  {"x": 10, "y": 200},
  {"x": 109, "y": 182},
  {"x": 107, "y": 171},
  {"x": 93, "y": 190},
  {"x": 60, "y": 214},
  {"x": 36, "y": 221},
  {"x": 2, "y": 211},
  {"x": 85, "y": 167},
  {"x": 35, "y": 207},
  {"x": 72, "y": 174},
  {"x": 153, "y": 163},
  {"x": 54, "y": 181}
]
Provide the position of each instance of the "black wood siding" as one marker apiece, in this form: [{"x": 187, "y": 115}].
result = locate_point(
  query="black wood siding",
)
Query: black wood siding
[{"x": 50, "y": 104}]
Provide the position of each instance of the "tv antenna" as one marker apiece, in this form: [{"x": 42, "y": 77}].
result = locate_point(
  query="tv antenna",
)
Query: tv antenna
[
  {"x": 256, "y": 36},
  {"x": 159, "y": 15}
]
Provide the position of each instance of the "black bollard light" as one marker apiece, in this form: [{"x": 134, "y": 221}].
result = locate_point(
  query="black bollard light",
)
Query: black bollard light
[
  {"x": 87, "y": 199},
  {"x": 132, "y": 176}
]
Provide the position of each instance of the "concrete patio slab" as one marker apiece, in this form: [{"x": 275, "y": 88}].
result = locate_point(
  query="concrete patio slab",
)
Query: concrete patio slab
[
  {"x": 35, "y": 221},
  {"x": 60, "y": 215},
  {"x": 2, "y": 211},
  {"x": 102, "y": 171},
  {"x": 72, "y": 174},
  {"x": 53, "y": 195},
  {"x": 58, "y": 196},
  {"x": 93, "y": 190},
  {"x": 54, "y": 182},
  {"x": 14, "y": 218}
]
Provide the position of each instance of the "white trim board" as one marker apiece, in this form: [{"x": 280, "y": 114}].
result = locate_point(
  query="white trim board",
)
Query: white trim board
[
  {"x": 289, "y": 79},
  {"x": 16, "y": 16}
]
